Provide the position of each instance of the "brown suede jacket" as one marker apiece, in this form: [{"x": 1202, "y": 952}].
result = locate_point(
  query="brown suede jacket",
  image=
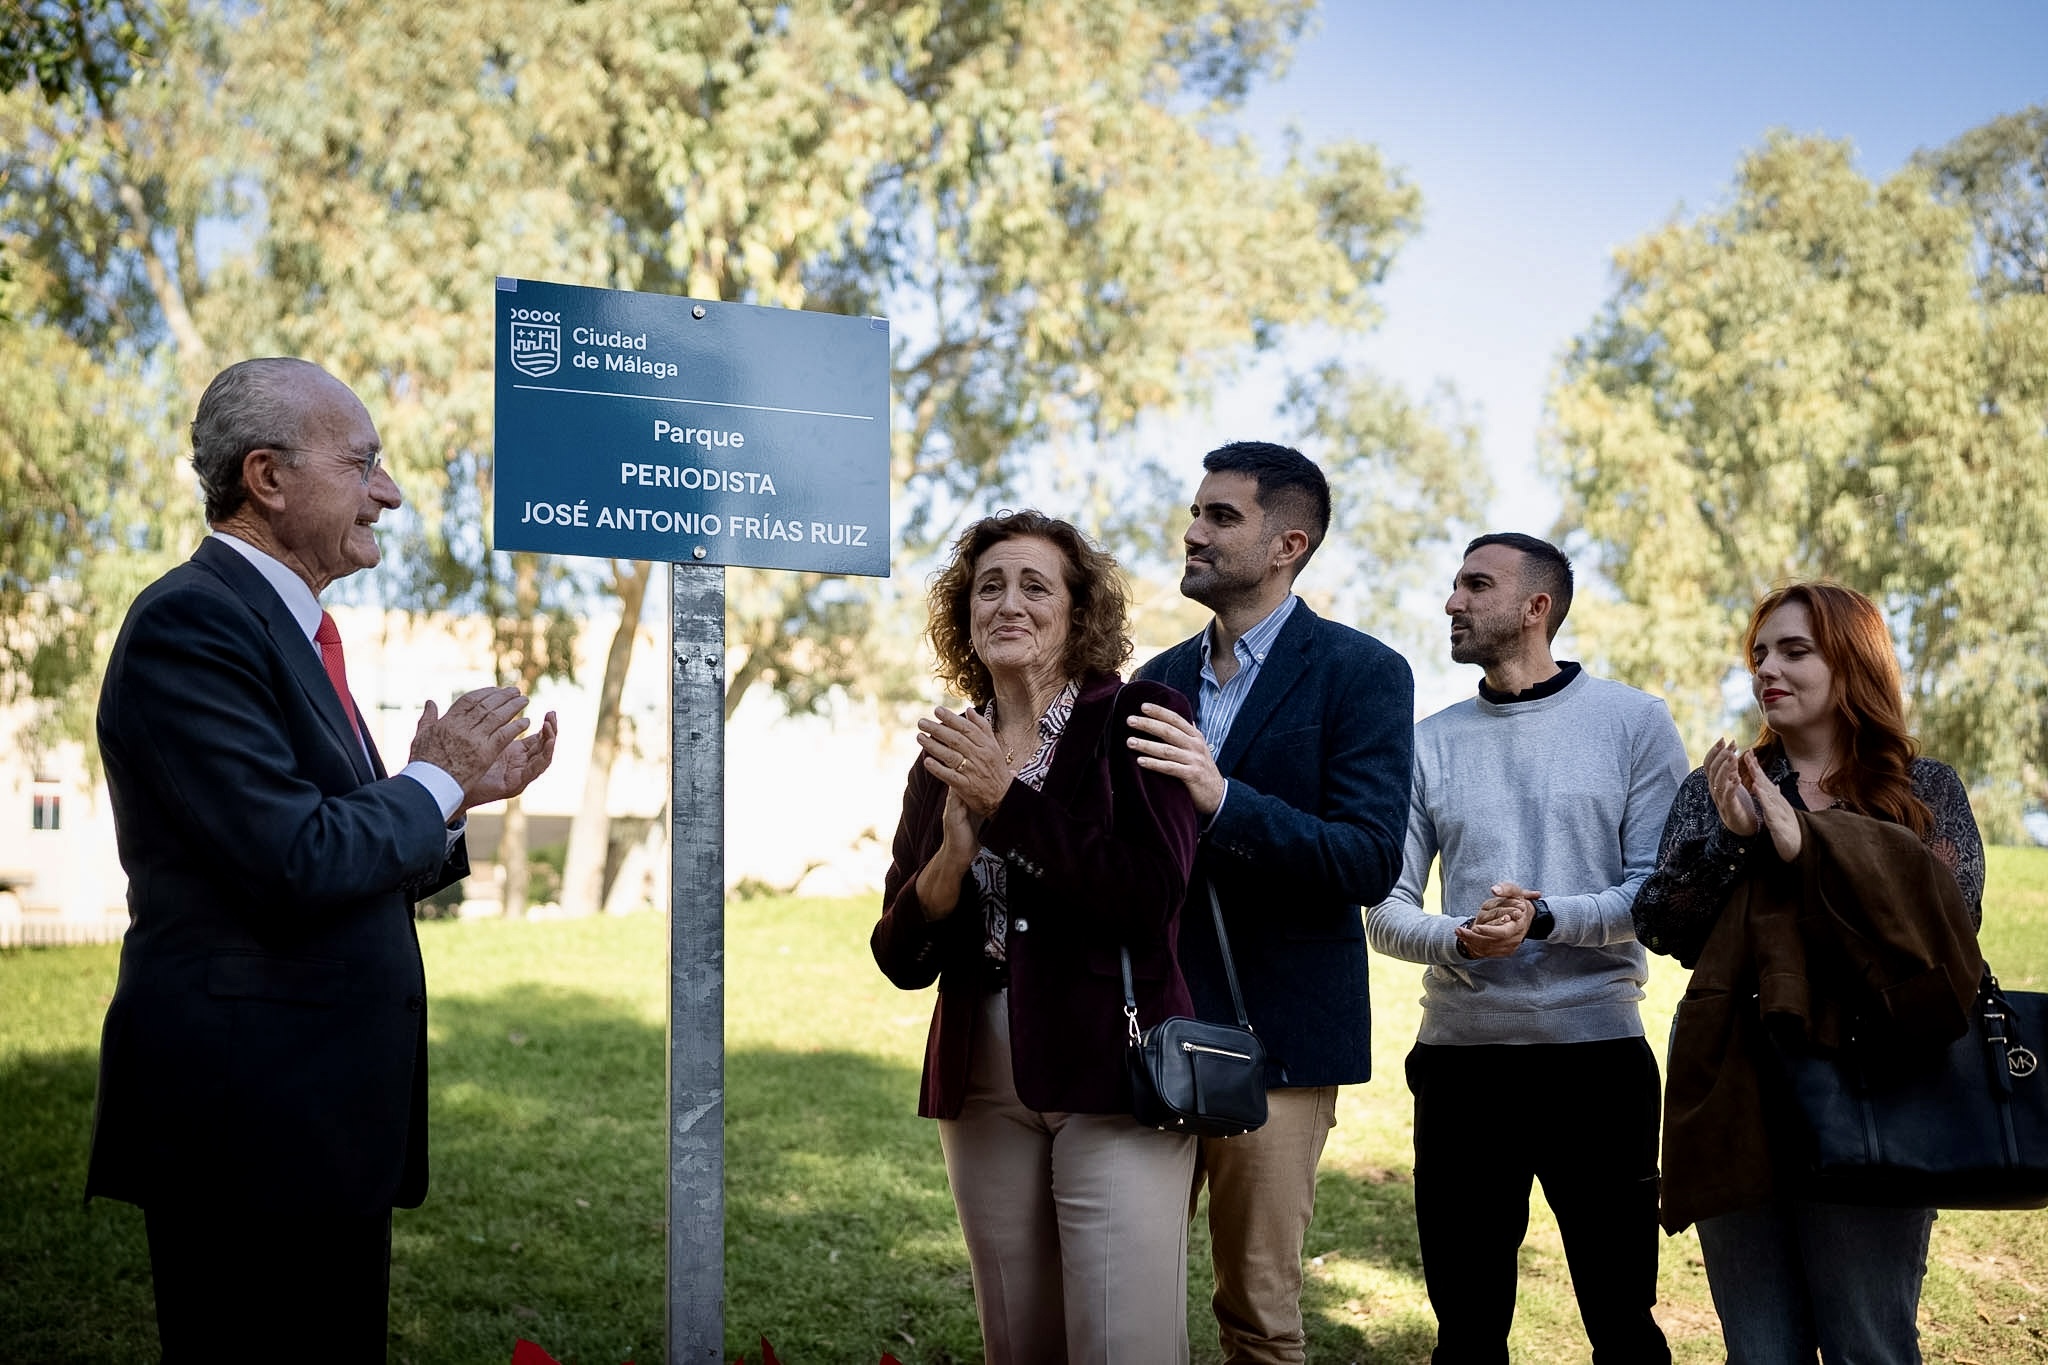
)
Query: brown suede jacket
[{"x": 1865, "y": 932}]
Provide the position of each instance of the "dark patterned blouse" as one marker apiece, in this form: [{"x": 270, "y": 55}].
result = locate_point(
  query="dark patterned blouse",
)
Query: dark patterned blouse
[{"x": 1699, "y": 859}]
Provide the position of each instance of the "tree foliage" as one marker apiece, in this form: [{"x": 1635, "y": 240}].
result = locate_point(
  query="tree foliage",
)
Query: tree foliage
[
  {"x": 88, "y": 503},
  {"x": 1045, "y": 198},
  {"x": 81, "y": 50},
  {"x": 62, "y": 514},
  {"x": 1049, "y": 200},
  {"x": 1403, "y": 472},
  {"x": 1825, "y": 377},
  {"x": 1999, "y": 173}
]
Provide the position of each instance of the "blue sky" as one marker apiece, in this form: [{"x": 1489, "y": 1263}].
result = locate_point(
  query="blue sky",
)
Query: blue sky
[{"x": 1543, "y": 136}]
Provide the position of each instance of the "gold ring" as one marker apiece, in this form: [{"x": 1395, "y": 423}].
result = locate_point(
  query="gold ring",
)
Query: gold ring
[{"x": 961, "y": 766}]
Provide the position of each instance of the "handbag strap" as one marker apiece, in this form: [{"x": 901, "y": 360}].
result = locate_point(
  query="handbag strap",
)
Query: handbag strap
[
  {"x": 1130, "y": 999},
  {"x": 1215, "y": 909},
  {"x": 2010, "y": 1057},
  {"x": 1223, "y": 946},
  {"x": 1229, "y": 971}
]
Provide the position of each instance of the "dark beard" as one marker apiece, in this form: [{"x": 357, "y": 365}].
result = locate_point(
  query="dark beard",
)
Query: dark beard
[
  {"x": 1214, "y": 589},
  {"x": 1481, "y": 646}
]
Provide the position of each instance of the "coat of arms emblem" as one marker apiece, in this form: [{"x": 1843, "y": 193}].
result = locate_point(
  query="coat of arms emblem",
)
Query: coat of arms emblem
[{"x": 536, "y": 348}]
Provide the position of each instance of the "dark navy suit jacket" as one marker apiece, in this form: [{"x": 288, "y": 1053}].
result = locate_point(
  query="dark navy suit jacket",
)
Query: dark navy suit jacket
[
  {"x": 1319, "y": 762},
  {"x": 1096, "y": 860},
  {"x": 266, "y": 1044}
]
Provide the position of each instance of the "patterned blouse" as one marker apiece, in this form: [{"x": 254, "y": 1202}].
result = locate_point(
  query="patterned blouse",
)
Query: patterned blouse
[
  {"x": 991, "y": 874},
  {"x": 1699, "y": 859}
]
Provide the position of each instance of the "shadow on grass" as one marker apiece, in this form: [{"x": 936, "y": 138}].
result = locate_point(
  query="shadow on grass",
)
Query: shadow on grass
[
  {"x": 74, "y": 1282},
  {"x": 1364, "y": 1218},
  {"x": 545, "y": 1219}
]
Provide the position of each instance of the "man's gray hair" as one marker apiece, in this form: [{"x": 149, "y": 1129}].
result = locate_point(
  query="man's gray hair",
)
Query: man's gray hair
[{"x": 251, "y": 405}]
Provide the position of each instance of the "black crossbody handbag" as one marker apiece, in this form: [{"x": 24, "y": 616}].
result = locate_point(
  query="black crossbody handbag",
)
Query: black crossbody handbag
[
  {"x": 1966, "y": 1128},
  {"x": 1188, "y": 1076}
]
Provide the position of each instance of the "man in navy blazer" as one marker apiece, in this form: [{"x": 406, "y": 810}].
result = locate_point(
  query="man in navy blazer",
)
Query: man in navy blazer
[
  {"x": 1299, "y": 763},
  {"x": 262, "y": 1086}
]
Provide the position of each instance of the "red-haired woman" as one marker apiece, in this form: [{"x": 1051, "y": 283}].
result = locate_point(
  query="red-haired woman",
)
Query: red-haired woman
[{"x": 1825, "y": 885}]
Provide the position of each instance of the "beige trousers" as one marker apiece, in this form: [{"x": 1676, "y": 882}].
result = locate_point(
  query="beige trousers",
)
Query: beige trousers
[
  {"x": 1076, "y": 1223},
  {"x": 1262, "y": 1192}
]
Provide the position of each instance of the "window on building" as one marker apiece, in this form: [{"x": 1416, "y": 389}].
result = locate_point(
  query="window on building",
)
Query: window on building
[{"x": 49, "y": 810}]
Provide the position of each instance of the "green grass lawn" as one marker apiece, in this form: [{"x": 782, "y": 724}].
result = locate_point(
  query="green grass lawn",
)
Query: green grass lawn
[{"x": 545, "y": 1215}]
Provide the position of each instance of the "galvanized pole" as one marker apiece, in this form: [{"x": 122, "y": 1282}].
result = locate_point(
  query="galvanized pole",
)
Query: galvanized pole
[{"x": 696, "y": 969}]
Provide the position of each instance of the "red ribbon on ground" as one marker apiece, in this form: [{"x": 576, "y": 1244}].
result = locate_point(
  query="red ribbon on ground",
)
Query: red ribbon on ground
[{"x": 525, "y": 1352}]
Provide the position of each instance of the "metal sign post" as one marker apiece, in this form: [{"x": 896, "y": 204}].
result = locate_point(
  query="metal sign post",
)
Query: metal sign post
[
  {"x": 645, "y": 426},
  {"x": 696, "y": 970}
]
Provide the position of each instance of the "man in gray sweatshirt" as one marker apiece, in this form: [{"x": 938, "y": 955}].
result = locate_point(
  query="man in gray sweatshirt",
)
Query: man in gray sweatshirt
[{"x": 1544, "y": 796}]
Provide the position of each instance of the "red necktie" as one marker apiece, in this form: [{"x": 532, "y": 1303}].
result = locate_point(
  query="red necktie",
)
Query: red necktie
[{"x": 329, "y": 640}]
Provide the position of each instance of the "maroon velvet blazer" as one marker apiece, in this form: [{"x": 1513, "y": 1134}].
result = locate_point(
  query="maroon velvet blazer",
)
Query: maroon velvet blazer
[{"x": 1098, "y": 859}]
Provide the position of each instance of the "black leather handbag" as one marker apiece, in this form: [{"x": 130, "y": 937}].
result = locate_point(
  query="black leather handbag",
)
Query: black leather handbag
[
  {"x": 1966, "y": 1128},
  {"x": 1188, "y": 1076}
]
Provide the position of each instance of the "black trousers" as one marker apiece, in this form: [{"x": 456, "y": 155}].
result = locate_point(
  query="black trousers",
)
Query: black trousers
[
  {"x": 1580, "y": 1117},
  {"x": 235, "y": 1287}
]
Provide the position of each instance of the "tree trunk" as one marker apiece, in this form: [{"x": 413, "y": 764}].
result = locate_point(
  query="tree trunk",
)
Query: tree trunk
[
  {"x": 583, "y": 886},
  {"x": 519, "y": 665},
  {"x": 514, "y": 873},
  {"x": 749, "y": 672}
]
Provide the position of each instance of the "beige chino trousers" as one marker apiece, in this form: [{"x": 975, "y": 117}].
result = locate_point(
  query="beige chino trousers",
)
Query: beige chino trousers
[
  {"x": 1076, "y": 1224},
  {"x": 1262, "y": 1193}
]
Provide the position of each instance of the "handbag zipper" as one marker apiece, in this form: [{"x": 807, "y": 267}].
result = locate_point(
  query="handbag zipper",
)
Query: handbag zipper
[{"x": 1215, "y": 1051}]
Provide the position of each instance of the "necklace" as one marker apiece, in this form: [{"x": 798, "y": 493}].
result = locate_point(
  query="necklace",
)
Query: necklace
[
  {"x": 1009, "y": 752},
  {"x": 1812, "y": 793}
]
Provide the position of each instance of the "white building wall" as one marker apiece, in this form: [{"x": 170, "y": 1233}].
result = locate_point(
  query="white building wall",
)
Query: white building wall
[{"x": 810, "y": 801}]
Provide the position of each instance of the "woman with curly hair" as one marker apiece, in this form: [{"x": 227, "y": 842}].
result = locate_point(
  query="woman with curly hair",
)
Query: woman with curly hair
[
  {"x": 1825, "y": 885},
  {"x": 1032, "y": 850}
]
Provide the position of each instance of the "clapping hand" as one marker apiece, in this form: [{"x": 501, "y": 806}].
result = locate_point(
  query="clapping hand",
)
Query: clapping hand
[
  {"x": 1779, "y": 819},
  {"x": 961, "y": 750},
  {"x": 1731, "y": 795},
  {"x": 1748, "y": 800},
  {"x": 479, "y": 743},
  {"x": 523, "y": 760}
]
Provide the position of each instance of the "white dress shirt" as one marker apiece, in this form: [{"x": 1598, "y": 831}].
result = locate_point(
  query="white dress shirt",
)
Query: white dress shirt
[{"x": 306, "y": 611}]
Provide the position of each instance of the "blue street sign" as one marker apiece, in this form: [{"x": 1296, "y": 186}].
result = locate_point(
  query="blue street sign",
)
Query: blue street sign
[{"x": 647, "y": 426}]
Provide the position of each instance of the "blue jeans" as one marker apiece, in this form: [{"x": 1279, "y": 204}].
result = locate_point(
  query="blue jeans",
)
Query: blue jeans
[{"x": 1796, "y": 1276}]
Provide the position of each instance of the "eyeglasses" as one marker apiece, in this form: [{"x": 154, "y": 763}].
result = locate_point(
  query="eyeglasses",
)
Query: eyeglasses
[{"x": 370, "y": 463}]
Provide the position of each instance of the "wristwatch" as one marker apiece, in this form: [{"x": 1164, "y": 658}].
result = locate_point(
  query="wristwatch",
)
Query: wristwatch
[{"x": 1541, "y": 924}]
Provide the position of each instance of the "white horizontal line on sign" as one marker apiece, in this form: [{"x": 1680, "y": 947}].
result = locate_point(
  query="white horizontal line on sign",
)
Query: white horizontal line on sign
[{"x": 700, "y": 402}]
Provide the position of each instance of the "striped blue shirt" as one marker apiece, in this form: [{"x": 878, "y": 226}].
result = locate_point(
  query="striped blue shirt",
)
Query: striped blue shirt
[{"x": 1217, "y": 707}]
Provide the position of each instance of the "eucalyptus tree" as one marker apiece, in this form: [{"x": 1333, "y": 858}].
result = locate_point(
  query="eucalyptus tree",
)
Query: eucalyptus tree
[
  {"x": 92, "y": 317},
  {"x": 1999, "y": 174},
  {"x": 1051, "y": 201},
  {"x": 1048, "y": 200},
  {"x": 1825, "y": 376}
]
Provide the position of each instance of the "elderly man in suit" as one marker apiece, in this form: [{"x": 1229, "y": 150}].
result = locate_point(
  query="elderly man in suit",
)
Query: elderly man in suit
[
  {"x": 1299, "y": 764},
  {"x": 263, "y": 1067}
]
